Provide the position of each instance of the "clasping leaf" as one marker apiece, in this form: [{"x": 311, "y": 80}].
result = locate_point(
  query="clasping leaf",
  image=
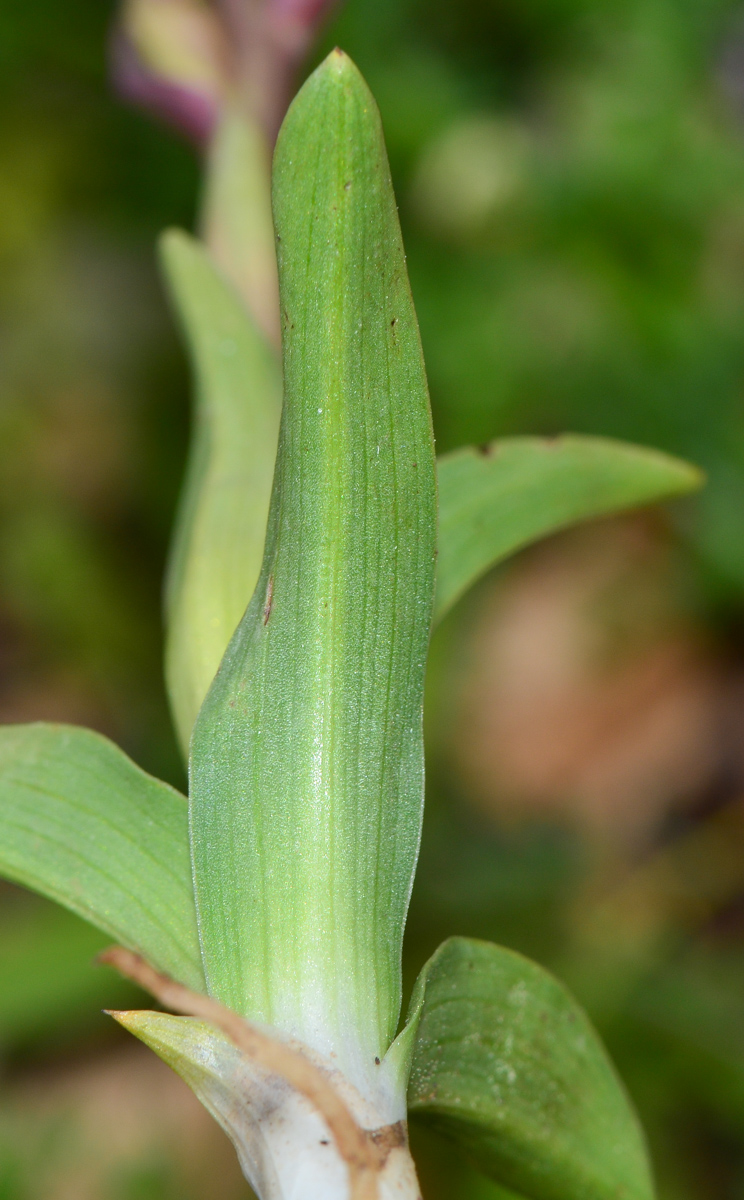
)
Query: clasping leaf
[{"x": 307, "y": 756}]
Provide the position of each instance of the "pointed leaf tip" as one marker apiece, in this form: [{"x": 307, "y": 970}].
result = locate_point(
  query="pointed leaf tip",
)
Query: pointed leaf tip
[
  {"x": 308, "y": 753},
  {"x": 337, "y": 68}
]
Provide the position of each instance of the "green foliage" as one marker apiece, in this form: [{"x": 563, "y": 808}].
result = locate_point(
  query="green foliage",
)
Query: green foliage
[
  {"x": 605, "y": 295},
  {"x": 307, "y": 758},
  {"x": 218, "y": 544},
  {"x": 495, "y": 499},
  {"x": 83, "y": 825},
  {"x": 236, "y": 217},
  {"x": 508, "y": 1064},
  {"x": 572, "y": 186}
]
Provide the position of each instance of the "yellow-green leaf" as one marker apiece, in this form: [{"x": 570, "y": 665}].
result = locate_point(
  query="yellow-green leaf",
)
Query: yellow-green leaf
[
  {"x": 80, "y": 823},
  {"x": 236, "y": 215},
  {"x": 307, "y": 757},
  {"x": 219, "y": 539}
]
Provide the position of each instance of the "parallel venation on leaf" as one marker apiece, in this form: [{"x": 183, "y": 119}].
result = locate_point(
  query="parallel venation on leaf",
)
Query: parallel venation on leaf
[
  {"x": 508, "y": 1064},
  {"x": 82, "y": 824},
  {"x": 307, "y": 760}
]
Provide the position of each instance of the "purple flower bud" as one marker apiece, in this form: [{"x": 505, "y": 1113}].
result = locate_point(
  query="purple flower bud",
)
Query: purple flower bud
[
  {"x": 168, "y": 56},
  {"x": 180, "y": 58},
  {"x": 192, "y": 112},
  {"x": 309, "y": 13}
]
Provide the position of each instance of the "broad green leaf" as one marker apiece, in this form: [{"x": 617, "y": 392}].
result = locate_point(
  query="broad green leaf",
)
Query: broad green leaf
[
  {"x": 80, "y": 823},
  {"x": 219, "y": 538},
  {"x": 495, "y": 499},
  {"x": 509, "y": 1065},
  {"x": 307, "y": 757}
]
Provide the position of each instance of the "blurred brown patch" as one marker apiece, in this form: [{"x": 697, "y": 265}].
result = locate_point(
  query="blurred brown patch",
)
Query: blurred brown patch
[
  {"x": 118, "y": 1111},
  {"x": 590, "y": 695}
]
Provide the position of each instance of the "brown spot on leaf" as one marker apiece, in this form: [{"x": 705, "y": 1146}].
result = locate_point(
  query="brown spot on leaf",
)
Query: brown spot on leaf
[
  {"x": 389, "y": 1137},
  {"x": 269, "y": 600}
]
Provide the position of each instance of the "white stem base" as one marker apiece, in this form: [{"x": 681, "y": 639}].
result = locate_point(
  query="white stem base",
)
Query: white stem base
[
  {"x": 286, "y": 1149},
  {"x": 280, "y": 1116},
  {"x": 289, "y": 1153}
]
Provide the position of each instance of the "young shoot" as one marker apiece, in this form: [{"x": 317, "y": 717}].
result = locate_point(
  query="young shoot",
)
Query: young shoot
[{"x": 266, "y": 912}]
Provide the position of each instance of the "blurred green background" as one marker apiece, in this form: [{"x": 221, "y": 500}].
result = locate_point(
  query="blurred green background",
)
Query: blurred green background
[{"x": 570, "y": 175}]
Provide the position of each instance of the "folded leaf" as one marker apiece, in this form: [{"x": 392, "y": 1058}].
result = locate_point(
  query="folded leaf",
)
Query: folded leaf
[
  {"x": 307, "y": 756},
  {"x": 215, "y": 1070},
  {"x": 219, "y": 538},
  {"x": 495, "y": 499},
  {"x": 509, "y": 1065},
  {"x": 80, "y": 823}
]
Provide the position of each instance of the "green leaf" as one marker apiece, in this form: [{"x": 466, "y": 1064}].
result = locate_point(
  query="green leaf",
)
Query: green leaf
[
  {"x": 307, "y": 757},
  {"x": 509, "y": 1065},
  {"x": 496, "y": 499},
  {"x": 80, "y": 823},
  {"x": 219, "y": 537}
]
